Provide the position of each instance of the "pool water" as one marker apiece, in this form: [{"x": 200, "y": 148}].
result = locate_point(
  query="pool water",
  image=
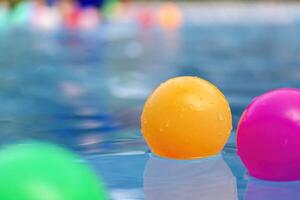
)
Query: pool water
[{"x": 86, "y": 92}]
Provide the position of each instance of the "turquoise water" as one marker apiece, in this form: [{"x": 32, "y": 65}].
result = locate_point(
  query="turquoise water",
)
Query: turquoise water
[{"x": 86, "y": 92}]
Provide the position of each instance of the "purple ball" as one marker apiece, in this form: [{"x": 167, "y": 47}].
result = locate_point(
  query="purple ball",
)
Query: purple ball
[{"x": 268, "y": 136}]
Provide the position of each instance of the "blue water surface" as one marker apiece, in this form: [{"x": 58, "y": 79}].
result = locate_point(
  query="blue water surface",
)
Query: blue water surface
[{"x": 86, "y": 92}]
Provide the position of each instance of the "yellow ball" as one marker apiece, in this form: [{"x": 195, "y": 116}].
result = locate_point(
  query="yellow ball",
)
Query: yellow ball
[
  {"x": 186, "y": 118},
  {"x": 170, "y": 16}
]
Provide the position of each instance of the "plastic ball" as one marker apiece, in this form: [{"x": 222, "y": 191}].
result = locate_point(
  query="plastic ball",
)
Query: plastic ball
[
  {"x": 186, "y": 118},
  {"x": 170, "y": 16},
  {"x": 111, "y": 9},
  {"x": 145, "y": 18},
  {"x": 4, "y": 18},
  {"x": 72, "y": 20},
  {"x": 89, "y": 19},
  {"x": 70, "y": 14},
  {"x": 41, "y": 171},
  {"x": 268, "y": 136},
  {"x": 20, "y": 15},
  {"x": 46, "y": 18}
]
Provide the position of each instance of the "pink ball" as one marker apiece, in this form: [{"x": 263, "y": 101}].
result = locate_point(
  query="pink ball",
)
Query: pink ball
[{"x": 268, "y": 136}]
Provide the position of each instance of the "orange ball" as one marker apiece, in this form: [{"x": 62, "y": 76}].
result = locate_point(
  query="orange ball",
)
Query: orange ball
[
  {"x": 186, "y": 118},
  {"x": 170, "y": 16}
]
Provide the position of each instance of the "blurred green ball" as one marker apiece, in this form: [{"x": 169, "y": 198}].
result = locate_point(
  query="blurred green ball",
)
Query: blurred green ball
[
  {"x": 109, "y": 8},
  {"x": 20, "y": 14},
  {"x": 39, "y": 171},
  {"x": 3, "y": 18}
]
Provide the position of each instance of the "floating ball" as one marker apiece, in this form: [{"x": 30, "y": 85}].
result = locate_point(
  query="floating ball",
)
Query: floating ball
[
  {"x": 186, "y": 118},
  {"x": 73, "y": 18},
  {"x": 21, "y": 14},
  {"x": 170, "y": 16},
  {"x": 268, "y": 136},
  {"x": 111, "y": 9},
  {"x": 4, "y": 17},
  {"x": 45, "y": 172},
  {"x": 70, "y": 14},
  {"x": 145, "y": 18},
  {"x": 89, "y": 19},
  {"x": 46, "y": 18}
]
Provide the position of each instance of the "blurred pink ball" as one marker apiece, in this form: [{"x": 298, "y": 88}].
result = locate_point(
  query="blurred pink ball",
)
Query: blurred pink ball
[
  {"x": 268, "y": 136},
  {"x": 89, "y": 19},
  {"x": 145, "y": 18},
  {"x": 46, "y": 18},
  {"x": 71, "y": 15}
]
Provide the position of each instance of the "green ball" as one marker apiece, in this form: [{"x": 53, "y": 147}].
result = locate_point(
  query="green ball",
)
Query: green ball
[
  {"x": 39, "y": 171},
  {"x": 20, "y": 15}
]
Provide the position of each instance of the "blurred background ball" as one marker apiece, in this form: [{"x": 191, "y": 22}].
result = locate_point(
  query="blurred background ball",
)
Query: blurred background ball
[
  {"x": 89, "y": 19},
  {"x": 186, "y": 118},
  {"x": 4, "y": 17},
  {"x": 40, "y": 171},
  {"x": 46, "y": 18},
  {"x": 268, "y": 136},
  {"x": 170, "y": 16},
  {"x": 145, "y": 18},
  {"x": 20, "y": 15}
]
